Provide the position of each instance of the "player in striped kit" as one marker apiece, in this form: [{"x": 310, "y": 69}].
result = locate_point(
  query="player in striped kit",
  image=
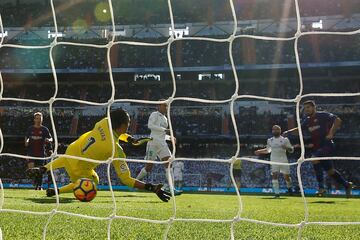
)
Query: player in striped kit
[
  {"x": 36, "y": 139},
  {"x": 278, "y": 146},
  {"x": 322, "y": 127}
]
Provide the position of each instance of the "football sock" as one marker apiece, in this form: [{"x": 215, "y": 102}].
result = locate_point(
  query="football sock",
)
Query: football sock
[
  {"x": 289, "y": 183},
  {"x": 38, "y": 181},
  {"x": 339, "y": 178},
  {"x": 142, "y": 174},
  {"x": 319, "y": 175},
  {"x": 275, "y": 184}
]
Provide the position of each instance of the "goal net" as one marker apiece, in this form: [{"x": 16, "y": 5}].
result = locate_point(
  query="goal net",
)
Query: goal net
[{"x": 235, "y": 44}]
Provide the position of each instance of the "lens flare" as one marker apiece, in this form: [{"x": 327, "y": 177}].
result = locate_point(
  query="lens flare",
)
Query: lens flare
[
  {"x": 80, "y": 26},
  {"x": 102, "y": 12}
]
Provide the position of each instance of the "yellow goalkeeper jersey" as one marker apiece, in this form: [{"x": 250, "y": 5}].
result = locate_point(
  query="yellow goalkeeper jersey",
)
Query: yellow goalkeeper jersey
[
  {"x": 97, "y": 144},
  {"x": 237, "y": 164}
]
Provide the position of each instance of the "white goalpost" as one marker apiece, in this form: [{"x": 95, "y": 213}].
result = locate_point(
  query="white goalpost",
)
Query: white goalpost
[{"x": 238, "y": 217}]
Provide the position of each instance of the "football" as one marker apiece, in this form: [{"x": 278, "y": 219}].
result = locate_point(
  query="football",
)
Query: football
[{"x": 85, "y": 190}]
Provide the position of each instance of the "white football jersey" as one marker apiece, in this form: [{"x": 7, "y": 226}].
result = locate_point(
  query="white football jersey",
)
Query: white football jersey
[
  {"x": 158, "y": 124},
  {"x": 275, "y": 147}
]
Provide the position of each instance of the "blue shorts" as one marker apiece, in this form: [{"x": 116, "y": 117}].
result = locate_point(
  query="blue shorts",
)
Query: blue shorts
[{"x": 325, "y": 151}]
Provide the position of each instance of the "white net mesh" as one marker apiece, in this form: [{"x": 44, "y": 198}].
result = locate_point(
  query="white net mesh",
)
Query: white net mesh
[{"x": 171, "y": 40}]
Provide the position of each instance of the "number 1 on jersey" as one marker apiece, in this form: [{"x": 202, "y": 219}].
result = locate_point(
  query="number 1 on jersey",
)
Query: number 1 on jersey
[{"x": 90, "y": 142}]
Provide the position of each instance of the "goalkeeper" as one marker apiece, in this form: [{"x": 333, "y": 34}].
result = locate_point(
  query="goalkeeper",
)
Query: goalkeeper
[{"x": 97, "y": 144}]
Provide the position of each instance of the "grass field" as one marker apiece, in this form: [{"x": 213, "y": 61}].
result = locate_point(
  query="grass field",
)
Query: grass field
[{"x": 146, "y": 205}]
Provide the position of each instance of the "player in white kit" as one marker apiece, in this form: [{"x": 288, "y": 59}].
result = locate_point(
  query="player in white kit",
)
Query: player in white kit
[
  {"x": 278, "y": 146},
  {"x": 157, "y": 148},
  {"x": 178, "y": 170}
]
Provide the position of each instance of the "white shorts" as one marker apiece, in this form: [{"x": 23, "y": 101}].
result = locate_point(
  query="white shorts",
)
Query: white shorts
[
  {"x": 155, "y": 149},
  {"x": 284, "y": 169},
  {"x": 178, "y": 177}
]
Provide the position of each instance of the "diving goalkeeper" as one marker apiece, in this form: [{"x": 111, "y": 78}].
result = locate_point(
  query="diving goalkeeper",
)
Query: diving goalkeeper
[{"x": 97, "y": 144}]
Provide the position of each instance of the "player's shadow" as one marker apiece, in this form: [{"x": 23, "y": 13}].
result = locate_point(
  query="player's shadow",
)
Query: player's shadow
[
  {"x": 51, "y": 200},
  {"x": 132, "y": 196},
  {"x": 124, "y": 196},
  {"x": 323, "y": 202},
  {"x": 273, "y": 198},
  {"x": 152, "y": 202}
]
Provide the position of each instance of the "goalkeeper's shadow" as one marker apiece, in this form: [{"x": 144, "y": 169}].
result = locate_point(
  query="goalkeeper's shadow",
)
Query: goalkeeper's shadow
[
  {"x": 50, "y": 200},
  {"x": 321, "y": 202},
  {"x": 125, "y": 196}
]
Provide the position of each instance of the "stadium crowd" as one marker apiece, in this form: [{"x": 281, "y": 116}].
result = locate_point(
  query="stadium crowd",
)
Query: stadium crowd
[
  {"x": 97, "y": 88},
  {"x": 20, "y": 13},
  {"x": 192, "y": 120},
  {"x": 186, "y": 53}
]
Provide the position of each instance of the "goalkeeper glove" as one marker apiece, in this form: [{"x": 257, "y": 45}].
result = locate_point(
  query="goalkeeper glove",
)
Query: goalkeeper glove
[
  {"x": 156, "y": 188},
  {"x": 133, "y": 141},
  {"x": 139, "y": 141}
]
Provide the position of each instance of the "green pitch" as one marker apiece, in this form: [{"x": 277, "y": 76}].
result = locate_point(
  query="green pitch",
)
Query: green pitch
[{"x": 146, "y": 205}]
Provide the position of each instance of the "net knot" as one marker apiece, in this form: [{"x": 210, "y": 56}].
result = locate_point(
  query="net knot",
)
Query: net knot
[
  {"x": 234, "y": 96},
  {"x": 169, "y": 100},
  {"x": 110, "y": 44},
  {"x": 110, "y": 101},
  {"x": 233, "y": 159},
  {"x": 171, "y": 220},
  {"x": 302, "y": 224},
  {"x": 109, "y": 160},
  {"x": 53, "y": 155},
  {"x": 171, "y": 39},
  {"x": 237, "y": 219},
  {"x": 298, "y": 98},
  {"x": 52, "y": 100},
  {"x": 53, "y": 43},
  {"x": 172, "y": 158},
  {"x": 231, "y": 38},
  {"x": 301, "y": 160}
]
